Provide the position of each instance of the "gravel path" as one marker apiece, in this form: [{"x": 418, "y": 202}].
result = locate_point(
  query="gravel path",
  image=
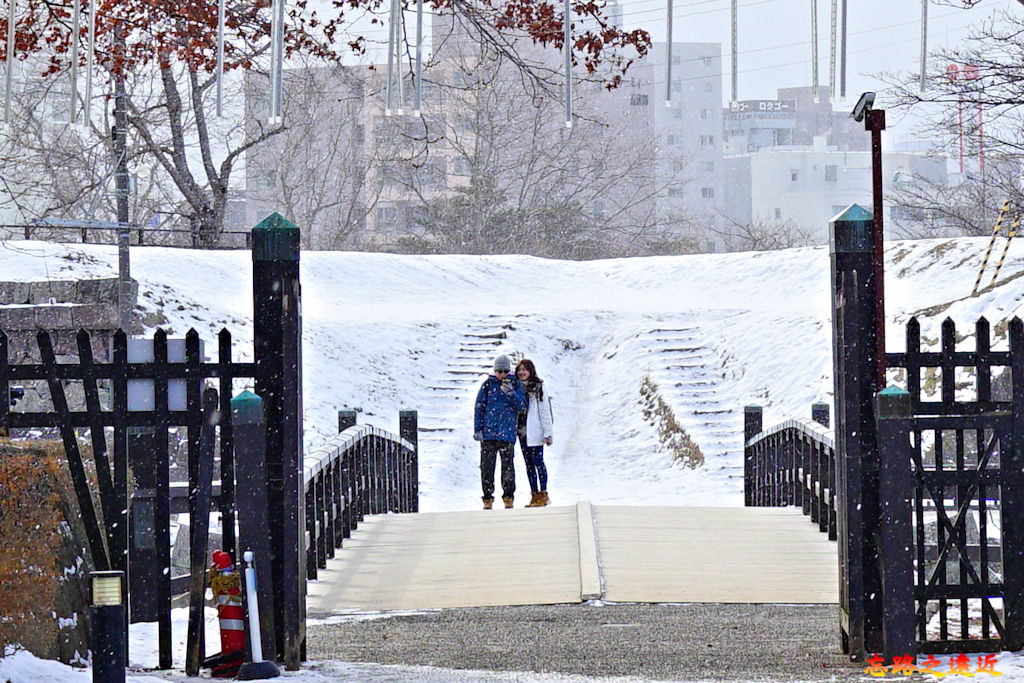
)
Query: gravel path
[{"x": 688, "y": 642}]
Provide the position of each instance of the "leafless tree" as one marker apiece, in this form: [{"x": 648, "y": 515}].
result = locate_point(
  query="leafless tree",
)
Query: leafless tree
[{"x": 762, "y": 235}]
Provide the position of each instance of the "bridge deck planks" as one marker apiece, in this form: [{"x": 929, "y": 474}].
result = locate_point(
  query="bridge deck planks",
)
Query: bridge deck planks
[{"x": 521, "y": 557}]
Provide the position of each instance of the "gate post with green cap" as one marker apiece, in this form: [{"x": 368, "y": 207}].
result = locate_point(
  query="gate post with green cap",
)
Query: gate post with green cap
[
  {"x": 854, "y": 360},
  {"x": 277, "y": 346},
  {"x": 251, "y": 501}
]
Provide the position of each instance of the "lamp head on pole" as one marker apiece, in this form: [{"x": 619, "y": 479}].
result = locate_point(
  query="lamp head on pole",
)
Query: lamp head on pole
[{"x": 864, "y": 105}]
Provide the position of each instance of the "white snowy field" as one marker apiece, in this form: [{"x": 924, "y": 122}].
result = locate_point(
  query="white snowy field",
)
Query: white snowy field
[{"x": 714, "y": 333}]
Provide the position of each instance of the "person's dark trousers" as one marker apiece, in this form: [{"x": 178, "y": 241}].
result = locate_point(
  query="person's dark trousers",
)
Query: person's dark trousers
[
  {"x": 490, "y": 451},
  {"x": 536, "y": 471}
]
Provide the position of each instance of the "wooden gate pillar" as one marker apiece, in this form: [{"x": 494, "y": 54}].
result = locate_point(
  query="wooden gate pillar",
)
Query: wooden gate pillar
[
  {"x": 855, "y": 353},
  {"x": 278, "y": 350}
]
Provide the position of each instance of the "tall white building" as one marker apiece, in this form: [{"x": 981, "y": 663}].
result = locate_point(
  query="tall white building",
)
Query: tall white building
[{"x": 806, "y": 186}]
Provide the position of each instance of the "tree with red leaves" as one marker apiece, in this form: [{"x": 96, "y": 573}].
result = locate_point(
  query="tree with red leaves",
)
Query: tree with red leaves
[{"x": 174, "y": 46}]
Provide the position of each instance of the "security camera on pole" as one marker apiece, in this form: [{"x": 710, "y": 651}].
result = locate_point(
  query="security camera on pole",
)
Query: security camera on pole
[{"x": 874, "y": 121}]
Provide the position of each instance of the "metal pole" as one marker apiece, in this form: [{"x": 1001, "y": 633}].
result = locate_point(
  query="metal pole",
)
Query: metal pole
[
  {"x": 90, "y": 56},
  {"x": 668, "y": 58},
  {"x": 10, "y": 60},
  {"x": 814, "y": 48},
  {"x": 567, "y": 20},
  {"x": 418, "y": 91},
  {"x": 842, "y": 58},
  {"x": 735, "y": 49},
  {"x": 121, "y": 183},
  {"x": 220, "y": 57},
  {"x": 392, "y": 29},
  {"x": 832, "y": 53},
  {"x": 875, "y": 122},
  {"x": 76, "y": 23},
  {"x": 924, "y": 41}
]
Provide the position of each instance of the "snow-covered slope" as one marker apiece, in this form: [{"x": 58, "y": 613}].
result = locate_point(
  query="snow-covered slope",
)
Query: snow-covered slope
[{"x": 712, "y": 332}]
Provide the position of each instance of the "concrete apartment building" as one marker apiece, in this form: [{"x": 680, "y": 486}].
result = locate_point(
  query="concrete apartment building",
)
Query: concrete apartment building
[{"x": 686, "y": 121}]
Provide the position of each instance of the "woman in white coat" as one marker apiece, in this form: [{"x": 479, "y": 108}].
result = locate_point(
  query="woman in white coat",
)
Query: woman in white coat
[{"x": 534, "y": 431}]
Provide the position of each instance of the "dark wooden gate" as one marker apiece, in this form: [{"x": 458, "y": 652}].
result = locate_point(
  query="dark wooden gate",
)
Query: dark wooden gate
[{"x": 966, "y": 470}]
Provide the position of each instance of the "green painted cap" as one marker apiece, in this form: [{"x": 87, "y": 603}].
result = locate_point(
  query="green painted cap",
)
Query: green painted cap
[
  {"x": 275, "y": 238},
  {"x": 850, "y": 231},
  {"x": 246, "y": 408},
  {"x": 893, "y": 390}
]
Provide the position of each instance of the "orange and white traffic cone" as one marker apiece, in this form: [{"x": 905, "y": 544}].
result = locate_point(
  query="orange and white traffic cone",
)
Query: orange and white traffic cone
[{"x": 227, "y": 597}]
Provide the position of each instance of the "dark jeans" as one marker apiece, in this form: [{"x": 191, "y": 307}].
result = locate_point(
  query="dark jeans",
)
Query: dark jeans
[
  {"x": 489, "y": 451},
  {"x": 536, "y": 472}
]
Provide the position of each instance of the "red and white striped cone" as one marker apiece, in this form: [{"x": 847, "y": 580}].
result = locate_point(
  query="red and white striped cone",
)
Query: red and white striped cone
[{"x": 227, "y": 597}]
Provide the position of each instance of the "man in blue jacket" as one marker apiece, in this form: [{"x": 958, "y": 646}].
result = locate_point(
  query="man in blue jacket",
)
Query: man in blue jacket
[{"x": 498, "y": 403}]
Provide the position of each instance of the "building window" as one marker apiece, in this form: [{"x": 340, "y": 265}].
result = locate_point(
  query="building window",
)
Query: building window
[
  {"x": 671, "y": 139},
  {"x": 461, "y": 166},
  {"x": 708, "y": 166},
  {"x": 677, "y": 86},
  {"x": 793, "y": 175},
  {"x": 705, "y": 114},
  {"x": 778, "y": 214},
  {"x": 707, "y": 140},
  {"x": 831, "y": 173},
  {"x": 637, "y": 100},
  {"x": 387, "y": 214},
  {"x": 266, "y": 178},
  {"x": 705, "y": 61},
  {"x": 709, "y": 86},
  {"x": 675, "y": 192},
  {"x": 707, "y": 192},
  {"x": 677, "y": 113},
  {"x": 678, "y": 165}
]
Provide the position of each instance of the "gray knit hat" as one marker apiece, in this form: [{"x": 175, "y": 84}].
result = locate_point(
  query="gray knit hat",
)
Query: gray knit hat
[{"x": 502, "y": 363}]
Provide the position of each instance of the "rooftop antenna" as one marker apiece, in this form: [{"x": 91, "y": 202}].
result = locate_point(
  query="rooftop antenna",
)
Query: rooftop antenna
[
  {"x": 735, "y": 50},
  {"x": 814, "y": 49},
  {"x": 668, "y": 58},
  {"x": 567, "y": 20},
  {"x": 11, "y": 4}
]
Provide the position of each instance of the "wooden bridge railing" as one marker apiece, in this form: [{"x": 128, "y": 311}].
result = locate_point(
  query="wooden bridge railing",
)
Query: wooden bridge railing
[
  {"x": 792, "y": 463},
  {"x": 362, "y": 471}
]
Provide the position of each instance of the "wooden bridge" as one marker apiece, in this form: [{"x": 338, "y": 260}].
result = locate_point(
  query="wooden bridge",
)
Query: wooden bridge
[{"x": 576, "y": 553}]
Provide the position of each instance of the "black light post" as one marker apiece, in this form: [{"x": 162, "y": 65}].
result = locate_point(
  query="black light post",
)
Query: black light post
[
  {"x": 109, "y": 639},
  {"x": 874, "y": 121}
]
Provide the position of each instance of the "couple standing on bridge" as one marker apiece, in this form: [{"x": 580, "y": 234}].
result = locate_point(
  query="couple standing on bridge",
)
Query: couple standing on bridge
[{"x": 508, "y": 406}]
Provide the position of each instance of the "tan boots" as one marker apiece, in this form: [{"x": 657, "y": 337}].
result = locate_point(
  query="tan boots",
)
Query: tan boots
[
  {"x": 538, "y": 499},
  {"x": 488, "y": 503},
  {"x": 508, "y": 502}
]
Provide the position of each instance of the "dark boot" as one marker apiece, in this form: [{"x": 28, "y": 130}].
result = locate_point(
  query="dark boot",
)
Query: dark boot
[
  {"x": 488, "y": 502},
  {"x": 508, "y": 501}
]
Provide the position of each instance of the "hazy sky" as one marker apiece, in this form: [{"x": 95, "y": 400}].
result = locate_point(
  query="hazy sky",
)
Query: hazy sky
[{"x": 775, "y": 37}]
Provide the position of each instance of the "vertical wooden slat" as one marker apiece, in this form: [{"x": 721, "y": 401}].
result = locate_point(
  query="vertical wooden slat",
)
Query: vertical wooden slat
[
  {"x": 203, "y": 490},
  {"x": 948, "y": 367},
  {"x": 913, "y": 356},
  {"x": 1012, "y": 499},
  {"x": 984, "y": 364},
  {"x": 74, "y": 456},
  {"x": 5, "y": 388},
  {"x": 110, "y": 505},
  {"x": 163, "y": 496},
  {"x": 120, "y": 475},
  {"x": 227, "y": 446}
]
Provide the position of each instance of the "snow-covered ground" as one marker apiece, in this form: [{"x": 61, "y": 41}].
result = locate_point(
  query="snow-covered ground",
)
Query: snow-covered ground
[{"x": 713, "y": 332}]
